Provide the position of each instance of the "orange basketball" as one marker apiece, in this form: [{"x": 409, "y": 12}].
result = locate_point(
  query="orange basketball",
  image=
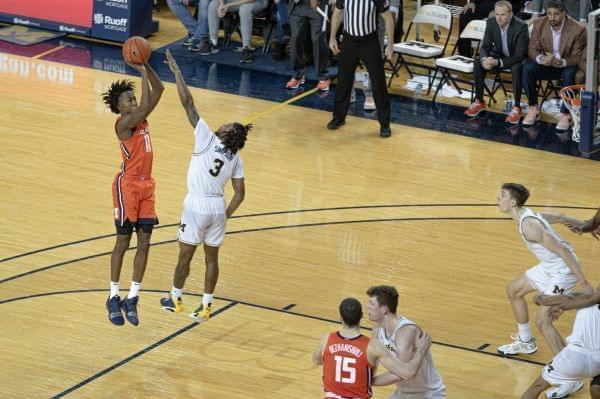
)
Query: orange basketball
[{"x": 136, "y": 50}]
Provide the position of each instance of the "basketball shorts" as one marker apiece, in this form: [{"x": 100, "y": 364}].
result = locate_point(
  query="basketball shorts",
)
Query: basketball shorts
[
  {"x": 559, "y": 283},
  {"x": 133, "y": 200},
  {"x": 199, "y": 226},
  {"x": 572, "y": 363}
]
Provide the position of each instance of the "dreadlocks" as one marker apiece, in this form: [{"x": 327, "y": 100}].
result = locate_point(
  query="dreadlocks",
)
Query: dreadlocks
[
  {"x": 111, "y": 96},
  {"x": 234, "y": 141}
]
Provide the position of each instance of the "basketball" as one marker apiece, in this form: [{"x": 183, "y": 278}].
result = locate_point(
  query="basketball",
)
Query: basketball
[{"x": 136, "y": 50}]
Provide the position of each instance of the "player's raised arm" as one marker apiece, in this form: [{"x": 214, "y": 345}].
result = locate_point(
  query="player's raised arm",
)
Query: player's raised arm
[
  {"x": 184, "y": 92},
  {"x": 149, "y": 99},
  {"x": 534, "y": 231}
]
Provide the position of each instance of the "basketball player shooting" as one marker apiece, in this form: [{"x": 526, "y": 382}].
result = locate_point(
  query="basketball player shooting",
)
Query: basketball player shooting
[{"x": 133, "y": 187}]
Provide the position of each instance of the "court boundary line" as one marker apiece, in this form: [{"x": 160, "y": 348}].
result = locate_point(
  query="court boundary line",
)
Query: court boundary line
[
  {"x": 232, "y": 302},
  {"x": 258, "y": 229},
  {"x": 141, "y": 352},
  {"x": 33, "y": 252}
]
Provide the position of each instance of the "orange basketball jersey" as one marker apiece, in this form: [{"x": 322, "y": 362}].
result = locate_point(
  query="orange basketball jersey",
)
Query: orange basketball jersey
[
  {"x": 346, "y": 369},
  {"x": 136, "y": 152}
]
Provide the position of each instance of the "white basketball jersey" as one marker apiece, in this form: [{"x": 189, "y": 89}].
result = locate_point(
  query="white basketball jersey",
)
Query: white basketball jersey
[
  {"x": 552, "y": 263},
  {"x": 586, "y": 328},
  {"x": 427, "y": 383},
  {"x": 211, "y": 167}
]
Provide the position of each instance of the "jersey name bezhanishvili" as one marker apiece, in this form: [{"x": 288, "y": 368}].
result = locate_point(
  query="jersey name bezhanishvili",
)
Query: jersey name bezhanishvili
[{"x": 211, "y": 165}]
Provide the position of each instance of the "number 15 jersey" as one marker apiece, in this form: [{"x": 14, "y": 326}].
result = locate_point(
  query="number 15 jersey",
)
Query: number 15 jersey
[
  {"x": 347, "y": 372},
  {"x": 211, "y": 166}
]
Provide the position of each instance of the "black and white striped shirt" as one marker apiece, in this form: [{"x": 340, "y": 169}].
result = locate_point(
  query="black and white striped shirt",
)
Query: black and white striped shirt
[{"x": 360, "y": 16}]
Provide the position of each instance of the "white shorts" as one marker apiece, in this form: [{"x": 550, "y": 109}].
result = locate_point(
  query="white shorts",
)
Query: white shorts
[
  {"x": 199, "y": 227},
  {"x": 559, "y": 283},
  {"x": 572, "y": 363}
]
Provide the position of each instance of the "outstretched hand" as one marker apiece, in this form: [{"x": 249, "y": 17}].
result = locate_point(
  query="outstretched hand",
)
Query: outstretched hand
[
  {"x": 170, "y": 61},
  {"x": 573, "y": 228},
  {"x": 141, "y": 68}
]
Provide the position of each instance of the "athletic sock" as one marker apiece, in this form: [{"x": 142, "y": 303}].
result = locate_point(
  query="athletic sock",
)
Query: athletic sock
[
  {"x": 524, "y": 332},
  {"x": 134, "y": 290},
  {"x": 176, "y": 292},
  {"x": 207, "y": 299},
  {"x": 114, "y": 289}
]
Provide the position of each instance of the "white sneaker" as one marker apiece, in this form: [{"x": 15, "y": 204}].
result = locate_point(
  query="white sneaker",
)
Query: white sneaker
[
  {"x": 564, "y": 390},
  {"x": 518, "y": 346},
  {"x": 369, "y": 103}
]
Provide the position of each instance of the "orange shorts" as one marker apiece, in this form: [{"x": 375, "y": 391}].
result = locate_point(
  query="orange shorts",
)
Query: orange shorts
[{"x": 133, "y": 200}]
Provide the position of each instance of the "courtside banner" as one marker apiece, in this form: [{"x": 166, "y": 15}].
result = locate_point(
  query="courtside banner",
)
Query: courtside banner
[
  {"x": 117, "y": 20},
  {"x": 71, "y": 16}
]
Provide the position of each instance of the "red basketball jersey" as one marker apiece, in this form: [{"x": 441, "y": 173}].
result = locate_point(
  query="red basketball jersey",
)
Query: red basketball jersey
[
  {"x": 136, "y": 151},
  {"x": 346, "y": 369}
]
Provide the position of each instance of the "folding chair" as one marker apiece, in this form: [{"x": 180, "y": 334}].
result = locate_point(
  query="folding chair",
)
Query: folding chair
[
  {"x": 457, "y": 63},
  {"x": 433, "y": 15},
  {"x": 265, "y": 21}
]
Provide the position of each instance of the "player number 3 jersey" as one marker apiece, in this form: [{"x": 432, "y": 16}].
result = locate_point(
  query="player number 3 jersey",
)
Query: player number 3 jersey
[{"x": 211, "y": 165}]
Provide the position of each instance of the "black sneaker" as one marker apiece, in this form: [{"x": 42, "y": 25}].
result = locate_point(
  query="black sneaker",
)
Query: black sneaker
[
  {"x": 247, "y": 56},
  {"x": 334, "y": 124},
  {"x": 129, "y": 306},
  {"x": 187, "y": 42},
  {"x": 205, "y": 48},
  {"x": 279, "y": 53},
  {"x": 385, "y": 131},
  {"x": 240, "y": 48},
  {"x": 195, "y": 46},
  {"x": 114, "y": 310}
]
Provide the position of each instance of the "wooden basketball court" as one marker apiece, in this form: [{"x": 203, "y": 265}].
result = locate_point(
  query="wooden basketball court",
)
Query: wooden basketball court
[{"x": 327, "y": 215}]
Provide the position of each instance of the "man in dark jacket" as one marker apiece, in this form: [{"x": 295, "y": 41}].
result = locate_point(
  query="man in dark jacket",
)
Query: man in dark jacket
[
  {"x": 504, "y": 46},
  {"x": 477, "y": 9}
]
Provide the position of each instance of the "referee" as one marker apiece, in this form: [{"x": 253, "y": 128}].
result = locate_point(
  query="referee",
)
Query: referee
[{"x": 360, "y": 42}]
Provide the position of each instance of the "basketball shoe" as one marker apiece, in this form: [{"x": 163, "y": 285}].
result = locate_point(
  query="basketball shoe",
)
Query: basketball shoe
[
  {"x": 114, "y": 311},
  {"x": 518, "y": 346},
  {"x": 171, "y": 305},
  {"x": 202, "y": 313},
  {"x": 129, "y": 306}
]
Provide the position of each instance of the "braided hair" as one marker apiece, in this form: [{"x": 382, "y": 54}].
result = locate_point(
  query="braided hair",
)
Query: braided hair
[
  {"x": 234, "y": 140},
  {"x": 111, "y": 96}
]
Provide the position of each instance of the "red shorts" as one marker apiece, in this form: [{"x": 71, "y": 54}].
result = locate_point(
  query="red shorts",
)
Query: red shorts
[{"x": 133, "y": 199}]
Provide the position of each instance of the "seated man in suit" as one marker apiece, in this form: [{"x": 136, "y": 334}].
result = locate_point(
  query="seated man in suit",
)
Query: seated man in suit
[
  {"x": 504, "y": 45},
  {"x": 556, "y": 48},
  {"x": 477, "y": 9}
]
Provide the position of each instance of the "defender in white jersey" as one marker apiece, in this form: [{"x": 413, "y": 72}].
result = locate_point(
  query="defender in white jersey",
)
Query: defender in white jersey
[
  {"x": 581, "y": 357},
  {"x": 399, "y": 335},
  {"x": 215, "y": 160},
  {"x": 556, "y": 274}
]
